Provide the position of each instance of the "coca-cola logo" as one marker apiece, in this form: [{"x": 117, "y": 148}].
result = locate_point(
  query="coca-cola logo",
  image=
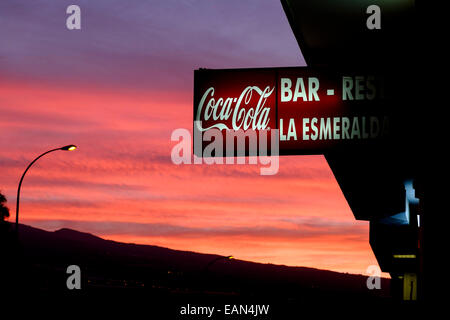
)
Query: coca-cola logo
[{"x": 235, "y": 112}]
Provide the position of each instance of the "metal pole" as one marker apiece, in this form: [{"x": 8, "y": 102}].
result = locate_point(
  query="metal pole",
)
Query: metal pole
[{"x": 20, "y": 184}]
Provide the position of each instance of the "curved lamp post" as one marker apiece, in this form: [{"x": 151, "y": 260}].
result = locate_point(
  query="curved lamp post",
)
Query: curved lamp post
[
  {"x": 70, "y": 147},
  {"x": 217, "y": 259}
]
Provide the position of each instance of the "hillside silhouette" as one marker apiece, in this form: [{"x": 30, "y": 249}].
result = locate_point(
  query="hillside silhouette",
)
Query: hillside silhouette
[{"x": 132, "y": 272}]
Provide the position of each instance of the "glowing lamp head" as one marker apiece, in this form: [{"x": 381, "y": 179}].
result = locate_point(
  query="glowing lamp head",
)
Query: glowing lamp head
[
  {"x": 70, "y": 147},
  {"x": 230, "y": 257}
]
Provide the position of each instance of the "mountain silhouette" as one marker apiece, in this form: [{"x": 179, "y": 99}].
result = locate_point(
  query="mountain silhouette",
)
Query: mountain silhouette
[{"x": 134, "y": 271}]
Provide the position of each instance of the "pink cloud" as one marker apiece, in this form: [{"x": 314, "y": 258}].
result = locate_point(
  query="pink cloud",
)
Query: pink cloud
[{"x": 119, "y": 101}]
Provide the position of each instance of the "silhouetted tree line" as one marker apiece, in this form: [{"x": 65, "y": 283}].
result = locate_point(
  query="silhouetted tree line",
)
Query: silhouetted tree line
[
  {"x": 5, "y": 226},
  {"x": 4, "y": 210},
  {"x": 5, "y": 240}
]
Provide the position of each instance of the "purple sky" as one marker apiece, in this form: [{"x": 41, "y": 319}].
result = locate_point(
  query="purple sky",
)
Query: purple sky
[
  {"x": 117, "y": 89},
  {"x": 146, "y": 44}
]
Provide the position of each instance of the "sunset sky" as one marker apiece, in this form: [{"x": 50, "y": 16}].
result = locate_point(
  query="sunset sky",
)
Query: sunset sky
[{"x": 117, "y": 89}]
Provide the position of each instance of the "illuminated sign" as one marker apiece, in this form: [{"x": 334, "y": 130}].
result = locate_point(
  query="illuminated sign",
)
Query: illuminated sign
[{"x": 314, "y": 110}]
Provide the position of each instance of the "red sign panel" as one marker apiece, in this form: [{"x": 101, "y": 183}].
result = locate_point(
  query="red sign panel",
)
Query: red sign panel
[{"x": 315, "y": 110}]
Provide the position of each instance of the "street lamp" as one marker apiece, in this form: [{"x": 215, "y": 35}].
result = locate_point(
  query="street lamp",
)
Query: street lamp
[
  {"x": 217, "y": 259},
  {"x": 69, "y": 147}
]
